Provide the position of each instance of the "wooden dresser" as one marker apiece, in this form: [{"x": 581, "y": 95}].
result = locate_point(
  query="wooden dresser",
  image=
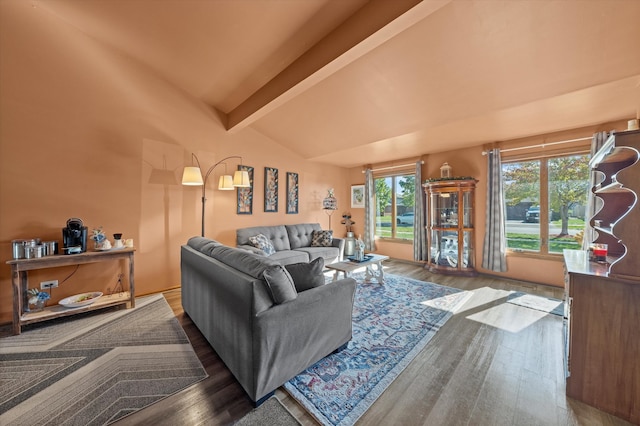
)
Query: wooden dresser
[{"x": 602, "y": 300}]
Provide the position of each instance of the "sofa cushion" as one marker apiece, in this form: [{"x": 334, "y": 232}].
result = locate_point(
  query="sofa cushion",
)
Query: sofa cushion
[
  {"x": 277, "y": 234},
  {"x": 280, "y": 284},
  {"x": 263, "y": 243},
  {"x": 322, "y": 239},
  {"x": 300, "y": 234},
  {"x": 329, "y": 254},
  {"x": 285, "y": 257},
  {"x": 307, "y": 275}
]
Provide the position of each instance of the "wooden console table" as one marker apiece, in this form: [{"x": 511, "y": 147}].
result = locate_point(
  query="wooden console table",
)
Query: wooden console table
[{"x": 20, "y": 284}]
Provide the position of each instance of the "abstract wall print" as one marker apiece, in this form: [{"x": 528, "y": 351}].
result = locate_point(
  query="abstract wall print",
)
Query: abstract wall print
[
  {"x": 357, "y": 196},
  {"x": 292, "y": 193},
  {"x": 270, "y": 189},
  {"x": 245, "y": 195}
]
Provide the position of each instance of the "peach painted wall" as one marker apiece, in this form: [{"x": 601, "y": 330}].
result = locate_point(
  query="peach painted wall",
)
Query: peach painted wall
[{"x": 86, "y": 132}]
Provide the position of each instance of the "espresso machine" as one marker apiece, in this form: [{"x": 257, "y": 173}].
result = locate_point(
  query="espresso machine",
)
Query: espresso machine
[{"x": 74, "y": 236}]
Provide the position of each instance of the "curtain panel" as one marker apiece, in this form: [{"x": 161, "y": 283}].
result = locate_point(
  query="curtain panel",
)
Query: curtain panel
[
  {"x": 369, "y": 212},
  {"x": 420, "y": 248},
  {"x": 494, "y": 250}
]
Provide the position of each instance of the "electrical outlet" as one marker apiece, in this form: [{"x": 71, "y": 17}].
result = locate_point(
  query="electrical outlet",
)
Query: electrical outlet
[{"x": 48, "y": 284}]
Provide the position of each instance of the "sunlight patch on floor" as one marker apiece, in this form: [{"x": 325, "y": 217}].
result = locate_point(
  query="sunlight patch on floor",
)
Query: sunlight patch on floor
[{"x": 508, "y": 317}]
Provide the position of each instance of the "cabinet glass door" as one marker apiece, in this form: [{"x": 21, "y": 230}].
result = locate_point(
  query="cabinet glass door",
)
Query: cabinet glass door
[
  {"x": 444, "y": 248},
  {"x": 444, "y": 209},
  {"x": 467, "y": 214}
]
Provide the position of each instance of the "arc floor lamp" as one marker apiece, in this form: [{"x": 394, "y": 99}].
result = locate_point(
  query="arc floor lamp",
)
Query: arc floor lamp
[{"x": 192, "y": 176}]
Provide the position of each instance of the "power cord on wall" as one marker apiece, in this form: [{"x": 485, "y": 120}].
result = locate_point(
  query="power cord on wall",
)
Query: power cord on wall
[{"x": 63, "y": 281}]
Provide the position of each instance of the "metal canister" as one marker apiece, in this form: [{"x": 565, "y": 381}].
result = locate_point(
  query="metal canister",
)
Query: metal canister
[
  {"x": 50, "y": 247},
  {"x": 18, "y": 249},
  {"x": 29, "y": 251},
  {"x": 38, "y": 250}
]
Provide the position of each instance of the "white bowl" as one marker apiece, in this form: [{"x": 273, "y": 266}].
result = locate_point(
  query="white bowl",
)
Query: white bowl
[{"x": 78, "y": 300}]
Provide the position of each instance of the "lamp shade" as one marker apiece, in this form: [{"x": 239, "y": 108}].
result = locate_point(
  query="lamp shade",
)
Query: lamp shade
[
  {"x": 241, "y": 179},
  {"x": 192, "y": 176},
  {"x": 225, "y": 183}
]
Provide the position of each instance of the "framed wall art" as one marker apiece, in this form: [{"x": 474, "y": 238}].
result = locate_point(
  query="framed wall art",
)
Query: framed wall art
[
  {"x": 270, "y": 189},
  {"x": 245, "y": 195},
  {"x": 292, "y": 193},
  {"x": 357, "y": 196}
]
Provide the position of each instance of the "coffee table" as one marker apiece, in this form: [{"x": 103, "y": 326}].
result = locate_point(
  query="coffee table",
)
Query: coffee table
[{"x": 348, "y": 266}]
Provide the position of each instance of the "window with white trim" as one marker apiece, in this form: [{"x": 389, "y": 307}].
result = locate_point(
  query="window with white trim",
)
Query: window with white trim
[
  {"x": 395, "y": 201},
  {"x": 545, "y": 199}
]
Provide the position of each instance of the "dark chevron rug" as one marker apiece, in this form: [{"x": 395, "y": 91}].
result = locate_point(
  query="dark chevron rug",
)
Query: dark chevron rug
[{"x": 96, "y": 368}]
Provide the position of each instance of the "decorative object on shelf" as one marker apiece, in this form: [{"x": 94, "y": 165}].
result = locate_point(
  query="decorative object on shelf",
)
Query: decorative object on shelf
[
  {"x": 192, "y": 176},
  {"x": 445, "y": 171},
  {"x": 74, "y": 236},
  {"x": 79, "y": 300},
  {"x": 633, "y": 124},
  {"x": 270, "y": 190},
  {"x": 347, "y": 222},
  {"x": 245, "y": 194},
  {"x": 357, "y": 196},
  {"x": 37, "y": 299},
  {"x": 358, "y": 255},
  {"x": 292, "y": 193},
  {"x": 349, "y": 244},
  {"x": 100, "y": 240},
  {"x": 440, "y": 179},
  {"x": 330, "y": 204},
  {"x": 118, "y": 242}
]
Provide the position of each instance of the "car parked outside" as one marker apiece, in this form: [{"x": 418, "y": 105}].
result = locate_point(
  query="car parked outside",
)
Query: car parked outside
[
  {"x": 532, "y": 215},
  {"x": 405, "y": 219}
]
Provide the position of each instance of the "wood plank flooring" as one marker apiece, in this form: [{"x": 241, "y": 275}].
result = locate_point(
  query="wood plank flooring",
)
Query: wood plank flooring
[{"x": 493, "y": 363}]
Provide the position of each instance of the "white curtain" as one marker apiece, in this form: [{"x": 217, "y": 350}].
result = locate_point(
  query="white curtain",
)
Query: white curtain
[
  {"x": 369, "y": 211},
  {"x": 593, "y": 206},
  {"x": 419, "y": 231},
  {"x": 494, "y": 250}
]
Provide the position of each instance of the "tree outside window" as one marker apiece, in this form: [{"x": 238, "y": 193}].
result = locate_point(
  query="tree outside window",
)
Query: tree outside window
[
  {"x": 545, "y": 203},
  {"x": 395, "y": 201}
]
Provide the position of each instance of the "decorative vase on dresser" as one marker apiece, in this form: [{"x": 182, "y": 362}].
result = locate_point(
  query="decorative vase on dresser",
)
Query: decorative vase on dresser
[
  {"x": 602, "y": 299},
  {"x": 450, "y": 226}
]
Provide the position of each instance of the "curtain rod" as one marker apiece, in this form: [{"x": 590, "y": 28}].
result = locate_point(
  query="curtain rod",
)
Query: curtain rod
[
  {"x": 542, "y": 145},
  {"x": 393, "y": 167}
]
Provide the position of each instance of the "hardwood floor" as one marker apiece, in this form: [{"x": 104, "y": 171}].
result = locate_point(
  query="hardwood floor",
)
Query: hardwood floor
[{"x": 493, "y": 363}]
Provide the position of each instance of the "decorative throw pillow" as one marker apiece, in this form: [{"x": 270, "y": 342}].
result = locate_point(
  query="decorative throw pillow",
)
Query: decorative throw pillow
[
  {"x": 280, "y": 284},
  {"x": 307, "y": 275},
  {"x": 321, "y": 238},
  {"x": 263, "y": 243}
]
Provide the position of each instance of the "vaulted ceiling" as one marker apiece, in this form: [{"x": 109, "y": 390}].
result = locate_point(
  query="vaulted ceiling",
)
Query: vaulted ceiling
[{"x": 352, "y": 82}]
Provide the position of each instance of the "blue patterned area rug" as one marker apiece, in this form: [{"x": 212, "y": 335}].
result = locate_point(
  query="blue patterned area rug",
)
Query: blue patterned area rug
[{"x": 392, "y": 323}]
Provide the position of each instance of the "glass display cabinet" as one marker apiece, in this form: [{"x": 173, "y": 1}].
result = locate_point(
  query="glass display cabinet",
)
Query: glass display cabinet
[{"x": 450, "y": 226}]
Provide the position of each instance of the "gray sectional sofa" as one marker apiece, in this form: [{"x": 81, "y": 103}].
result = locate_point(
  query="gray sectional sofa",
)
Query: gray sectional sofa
[
  {"x": 292, "y": 243},
  {"x": 266, "y": 324}
]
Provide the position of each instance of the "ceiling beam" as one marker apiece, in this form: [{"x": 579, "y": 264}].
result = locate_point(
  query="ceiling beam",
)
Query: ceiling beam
[{"x": 368, "y": 28}]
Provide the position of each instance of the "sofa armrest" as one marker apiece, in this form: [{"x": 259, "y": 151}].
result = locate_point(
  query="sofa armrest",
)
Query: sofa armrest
[
  {"x": 339, "y": 242},
  {"x": 294, "y": 335}
]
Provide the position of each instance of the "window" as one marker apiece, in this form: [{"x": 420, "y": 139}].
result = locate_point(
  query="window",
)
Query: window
[
  {"x": 395, "y": 200},
  {"x": 545, "y": 203}
]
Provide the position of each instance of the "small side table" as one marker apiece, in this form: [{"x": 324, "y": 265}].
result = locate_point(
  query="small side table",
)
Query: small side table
[
  {"x": 20, "y": 284},
  {"x": 347, "y": 267}
]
